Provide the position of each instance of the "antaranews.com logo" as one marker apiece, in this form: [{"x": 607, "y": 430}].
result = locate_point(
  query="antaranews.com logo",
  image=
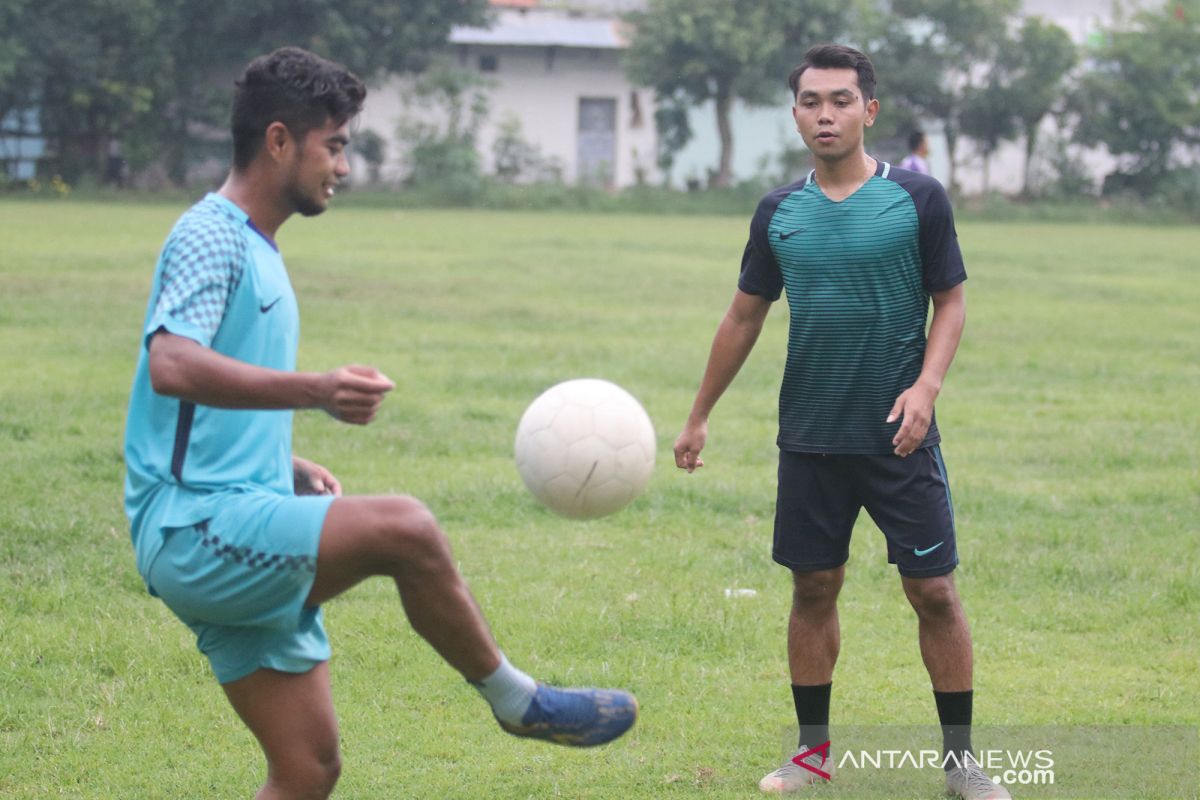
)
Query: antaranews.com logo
[
  {"x": 1006, "y": 767},
  {"x": 1042, "y": 761}
]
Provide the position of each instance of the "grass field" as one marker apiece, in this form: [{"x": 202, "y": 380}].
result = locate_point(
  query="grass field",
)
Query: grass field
[{"x": 1071, "y": 425}]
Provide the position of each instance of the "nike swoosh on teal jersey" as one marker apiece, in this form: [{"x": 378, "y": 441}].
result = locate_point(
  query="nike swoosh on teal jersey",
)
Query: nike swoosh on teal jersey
[{"x": 919, "y": 552}]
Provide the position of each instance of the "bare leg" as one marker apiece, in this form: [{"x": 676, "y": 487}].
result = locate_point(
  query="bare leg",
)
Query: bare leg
[
  {"x": 292, "y": 717},
  {"x": 399, "y": 537},
  {"x": 944, "y": 634},
  {"x": 814, "y": 636}
]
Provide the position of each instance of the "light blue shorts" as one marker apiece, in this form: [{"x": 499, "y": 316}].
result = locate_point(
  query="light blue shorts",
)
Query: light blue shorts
[{"x": 240, "y": 578}]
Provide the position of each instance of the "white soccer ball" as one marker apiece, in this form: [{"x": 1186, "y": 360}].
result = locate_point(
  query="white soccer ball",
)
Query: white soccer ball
[{"x": 585, "y": 448}]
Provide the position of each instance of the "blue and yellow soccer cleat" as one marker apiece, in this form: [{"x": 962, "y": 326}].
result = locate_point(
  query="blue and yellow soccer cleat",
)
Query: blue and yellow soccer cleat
[{"x": 576, "y": 717}]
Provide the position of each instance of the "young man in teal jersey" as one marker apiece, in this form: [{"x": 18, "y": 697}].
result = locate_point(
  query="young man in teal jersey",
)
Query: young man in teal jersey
[
  {"x": 240, "y": 538},
  {"x": 861, "y": 249}
]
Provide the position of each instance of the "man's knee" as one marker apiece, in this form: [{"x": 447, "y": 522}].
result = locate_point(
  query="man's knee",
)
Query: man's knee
[
  {"x": 933, "y": 597},
  {"x": 409, "y": 533},
  {"x": 816, "y": 592},
  {"x": 312, "y": 774}
]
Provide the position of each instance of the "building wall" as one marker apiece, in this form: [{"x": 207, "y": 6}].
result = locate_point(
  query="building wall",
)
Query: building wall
[{"x": 540, "y": 87}]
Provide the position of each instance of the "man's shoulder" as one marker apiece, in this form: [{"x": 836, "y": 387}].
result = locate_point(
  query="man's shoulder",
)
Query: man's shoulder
[
  {"x": 770, "y": 202},
  {"x": 208, "y": 230},
  {"x": 914, "y": 181},
  {"x": 780, "y": 193}
]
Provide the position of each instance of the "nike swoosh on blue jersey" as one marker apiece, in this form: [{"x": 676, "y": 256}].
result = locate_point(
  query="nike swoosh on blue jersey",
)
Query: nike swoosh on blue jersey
[
  {"x": 269, "y": 306},
  {"x": 786, "y": 234}
]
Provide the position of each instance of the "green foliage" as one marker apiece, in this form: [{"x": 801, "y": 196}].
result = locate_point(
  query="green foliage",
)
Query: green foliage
[
  {"x": 1140, "y": 96},
  {"x": 929, "y": 52},
  {"x": 1068, "y": 177},
  {"x": 987, "y": 115},
  {"x": 373, "y": 149},
  {"x": 1070, "y": 426},
  {"x": 718, "y": 50},
  {"x": 1023, "y": 85},
  {"x": 517, "y": 160},
  {"x": 448, "y": 105},
  {"x": 1037, "y": 64},
  {"x": 673, "y": 128},
  {"x": 148, "y": 72}
]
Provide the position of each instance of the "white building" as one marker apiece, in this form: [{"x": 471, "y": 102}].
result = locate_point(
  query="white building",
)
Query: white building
[{"x": 555, "y": 73}]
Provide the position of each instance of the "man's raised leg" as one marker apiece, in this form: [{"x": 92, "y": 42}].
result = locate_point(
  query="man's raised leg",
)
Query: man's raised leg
[{"x": 400, "y": 538}]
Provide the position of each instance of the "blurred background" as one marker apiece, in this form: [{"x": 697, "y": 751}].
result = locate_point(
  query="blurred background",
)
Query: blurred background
[{"x": 541, "y": 102}]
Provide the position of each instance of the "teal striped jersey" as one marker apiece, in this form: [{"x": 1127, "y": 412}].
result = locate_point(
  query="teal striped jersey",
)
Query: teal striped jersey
[{"x": 858, "y": 274}]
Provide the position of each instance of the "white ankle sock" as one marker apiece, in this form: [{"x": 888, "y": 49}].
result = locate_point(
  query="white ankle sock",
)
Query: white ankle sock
[{"x": 508, "y": 690}]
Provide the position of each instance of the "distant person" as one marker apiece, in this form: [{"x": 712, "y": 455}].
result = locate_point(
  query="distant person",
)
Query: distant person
[
  {"x": 114, "y": 165},
  {"x": 862, "y": 250},
  {"x": 239, "y": 537},
  {"x": 918, "y": 151}
]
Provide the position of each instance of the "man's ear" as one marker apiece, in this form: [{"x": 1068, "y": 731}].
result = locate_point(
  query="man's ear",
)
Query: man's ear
[
  {"x": 872, "y": 111},
  {"x": 278, "y": 141}
]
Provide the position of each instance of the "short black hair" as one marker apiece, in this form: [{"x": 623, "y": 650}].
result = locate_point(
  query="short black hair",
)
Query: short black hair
[
  {"x": 837, "y": 56},
  {"x": 914, "y": 140},
  {"x": 295, "y": 87}
]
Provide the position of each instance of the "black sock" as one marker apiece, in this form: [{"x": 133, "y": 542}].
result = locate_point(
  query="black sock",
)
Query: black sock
[
  {"x": 954, "y": 713},
  {"x": 812, "y": 713}
]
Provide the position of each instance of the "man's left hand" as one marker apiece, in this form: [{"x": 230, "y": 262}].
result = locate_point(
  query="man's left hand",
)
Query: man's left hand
[
  {"x": 311, "y": 478},
  {"x": 915, "y": 406}
]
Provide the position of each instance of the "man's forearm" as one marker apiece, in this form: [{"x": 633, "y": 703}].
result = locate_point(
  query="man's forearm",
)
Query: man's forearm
[
  {"x": 180, "y": 367},
  {"x": 945, "y": 333},
  {"x": 730, "y": 348}
]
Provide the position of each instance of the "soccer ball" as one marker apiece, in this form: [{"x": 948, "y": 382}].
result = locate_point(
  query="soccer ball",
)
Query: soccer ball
[{"x": 585, "y": 448}]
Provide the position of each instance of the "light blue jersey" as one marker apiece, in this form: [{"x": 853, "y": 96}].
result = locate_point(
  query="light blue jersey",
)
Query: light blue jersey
[{"x": 221, "y": 283}]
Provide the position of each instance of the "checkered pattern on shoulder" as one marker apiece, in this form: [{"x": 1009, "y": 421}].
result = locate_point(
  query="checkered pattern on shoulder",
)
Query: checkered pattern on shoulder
[{"x": 202, "y": 265}]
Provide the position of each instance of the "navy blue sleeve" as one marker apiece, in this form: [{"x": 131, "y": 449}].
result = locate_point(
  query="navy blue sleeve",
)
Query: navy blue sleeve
[
  {"x": 941, "y": 258},
  {"x": 760, "y": 271}
]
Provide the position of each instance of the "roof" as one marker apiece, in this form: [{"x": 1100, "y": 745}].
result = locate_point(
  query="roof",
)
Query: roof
[{"x": 545, "y": 29}]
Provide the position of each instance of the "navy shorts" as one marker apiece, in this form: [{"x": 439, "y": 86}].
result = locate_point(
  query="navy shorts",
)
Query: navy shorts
[{"x": 820, "y": 496}]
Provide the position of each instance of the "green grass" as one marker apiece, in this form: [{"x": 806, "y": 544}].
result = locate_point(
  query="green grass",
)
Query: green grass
[{"x": 1071, "y": 421}]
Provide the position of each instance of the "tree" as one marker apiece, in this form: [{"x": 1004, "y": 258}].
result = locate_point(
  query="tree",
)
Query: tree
[
  {"x": 931, "y": 53},
  {"x": 1023, "y": 85},
  {"x": 695, "y": 51},
  {"x": 155, "y": 73},
  {"x": 442, "y": 152},
  {"x": 373, "y": 149},
  {"x": 96, "y": 72},
  {"x": 1140, "y": 96},
  {"x": 987, "y": 117},
  {"x": 1037, "y": 67}
]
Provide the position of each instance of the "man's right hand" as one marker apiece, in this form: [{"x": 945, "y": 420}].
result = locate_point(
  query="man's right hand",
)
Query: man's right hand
[
  {"x": 353, "y": 394},
  {"x": 689, "y": 444}
]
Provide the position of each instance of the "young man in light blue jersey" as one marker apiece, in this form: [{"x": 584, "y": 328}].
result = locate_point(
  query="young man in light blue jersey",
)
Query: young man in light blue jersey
[
  {"x": 861, "y": 249},
  {"x": 239, "y": 537}
]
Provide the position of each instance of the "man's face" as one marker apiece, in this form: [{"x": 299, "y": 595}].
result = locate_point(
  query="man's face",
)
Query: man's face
[
  {"x": 320, "y": 163},
  {"x": 830, "y": 112}
]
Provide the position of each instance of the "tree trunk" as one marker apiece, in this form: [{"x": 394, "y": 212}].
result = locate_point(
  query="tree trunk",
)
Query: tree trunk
[
  {"x": 951, "y": 144},
  {"x": 1030, "y": 146},
  {"x": 724, "y": 102}
]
